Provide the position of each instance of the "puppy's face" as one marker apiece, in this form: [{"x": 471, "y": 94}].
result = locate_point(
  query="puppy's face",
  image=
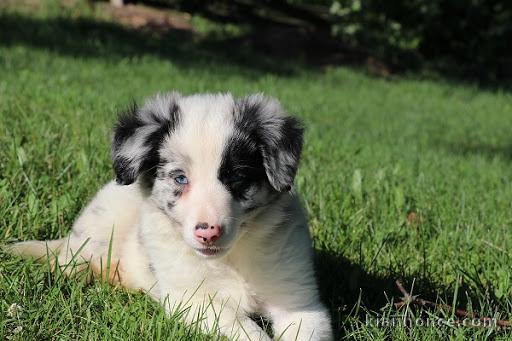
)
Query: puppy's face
[{"x": 210, "y": 162}]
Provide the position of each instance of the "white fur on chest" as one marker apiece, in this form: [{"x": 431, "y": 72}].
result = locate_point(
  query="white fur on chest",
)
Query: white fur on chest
[{"x": 239, "y": 276}]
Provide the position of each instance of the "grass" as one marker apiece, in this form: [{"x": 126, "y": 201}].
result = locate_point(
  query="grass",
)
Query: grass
[{"x": 376, "y": 150}]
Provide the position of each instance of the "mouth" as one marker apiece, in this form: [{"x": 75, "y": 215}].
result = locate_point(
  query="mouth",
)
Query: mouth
[{"x": 210, "y": 251}]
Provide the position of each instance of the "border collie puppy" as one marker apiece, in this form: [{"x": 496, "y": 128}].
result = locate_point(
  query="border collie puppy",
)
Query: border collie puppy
[{"x": 203, "y": 217}]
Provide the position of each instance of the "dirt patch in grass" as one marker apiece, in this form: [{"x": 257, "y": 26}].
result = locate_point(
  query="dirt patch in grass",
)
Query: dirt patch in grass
[{"x": 143, "y": 17}]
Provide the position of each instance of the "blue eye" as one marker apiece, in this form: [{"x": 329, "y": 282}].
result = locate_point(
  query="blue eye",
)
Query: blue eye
[{"x": 181, "y": 180}]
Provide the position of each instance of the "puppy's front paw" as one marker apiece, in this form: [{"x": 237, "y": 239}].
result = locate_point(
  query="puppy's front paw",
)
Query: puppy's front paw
[{"x": 313, "y": 325}]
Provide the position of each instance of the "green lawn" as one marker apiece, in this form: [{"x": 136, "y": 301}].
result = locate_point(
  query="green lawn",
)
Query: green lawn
[{"x": 375, "y": 151}]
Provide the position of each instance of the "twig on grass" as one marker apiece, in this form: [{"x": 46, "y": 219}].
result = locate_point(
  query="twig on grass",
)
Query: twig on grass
[{"x": 408, "y": 299}]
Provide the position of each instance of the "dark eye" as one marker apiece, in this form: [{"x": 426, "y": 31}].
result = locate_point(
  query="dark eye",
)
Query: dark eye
[
  {"x": 181, "y": 180},
  {"x": 236, "y": 177}
]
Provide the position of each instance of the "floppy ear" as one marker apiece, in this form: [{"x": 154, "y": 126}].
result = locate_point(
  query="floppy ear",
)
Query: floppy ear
[
  {"x": 138, "y": 135},
  {"x": 280, "y": 137}
]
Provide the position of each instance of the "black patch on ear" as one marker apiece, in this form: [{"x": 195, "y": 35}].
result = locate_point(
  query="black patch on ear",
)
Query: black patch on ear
[
  {"x": 128, "y": 122},
  {"x": 282, "y": 158},
  {"x": 141, "y": 131},
  {"x": 265, "y": 139},
  {"x": 154, "y": 140}
]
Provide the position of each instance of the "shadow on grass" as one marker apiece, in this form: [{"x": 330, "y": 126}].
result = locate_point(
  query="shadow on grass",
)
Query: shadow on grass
[
  {"x": 87, "y": 38},
  {"x": 344, "y": 285},
  {"x": 277, "y": 49},
  {"x": 270, "y": 49}
]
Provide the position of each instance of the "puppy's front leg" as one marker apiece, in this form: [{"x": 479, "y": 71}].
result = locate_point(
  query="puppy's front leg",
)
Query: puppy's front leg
[
  {"x": 218, "y": 317},
  {"x": 307, "y": 323}
]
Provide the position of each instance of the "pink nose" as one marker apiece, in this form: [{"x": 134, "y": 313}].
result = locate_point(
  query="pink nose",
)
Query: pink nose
[{"x": 207, "y": 234}]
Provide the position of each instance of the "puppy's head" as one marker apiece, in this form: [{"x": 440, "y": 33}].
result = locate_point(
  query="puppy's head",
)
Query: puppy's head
[{"x": 210, "y": 162}]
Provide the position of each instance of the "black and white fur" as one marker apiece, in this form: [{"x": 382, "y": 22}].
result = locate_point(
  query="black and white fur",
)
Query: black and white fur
[{"x": 239, "y": 157}]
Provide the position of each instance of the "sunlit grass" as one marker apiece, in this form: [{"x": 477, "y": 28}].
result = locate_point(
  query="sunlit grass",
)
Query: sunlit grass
[{"x": 376, "y": 151}]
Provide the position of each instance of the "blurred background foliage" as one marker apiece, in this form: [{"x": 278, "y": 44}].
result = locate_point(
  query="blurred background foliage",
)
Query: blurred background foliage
[{"x": 466, "y": 39}]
